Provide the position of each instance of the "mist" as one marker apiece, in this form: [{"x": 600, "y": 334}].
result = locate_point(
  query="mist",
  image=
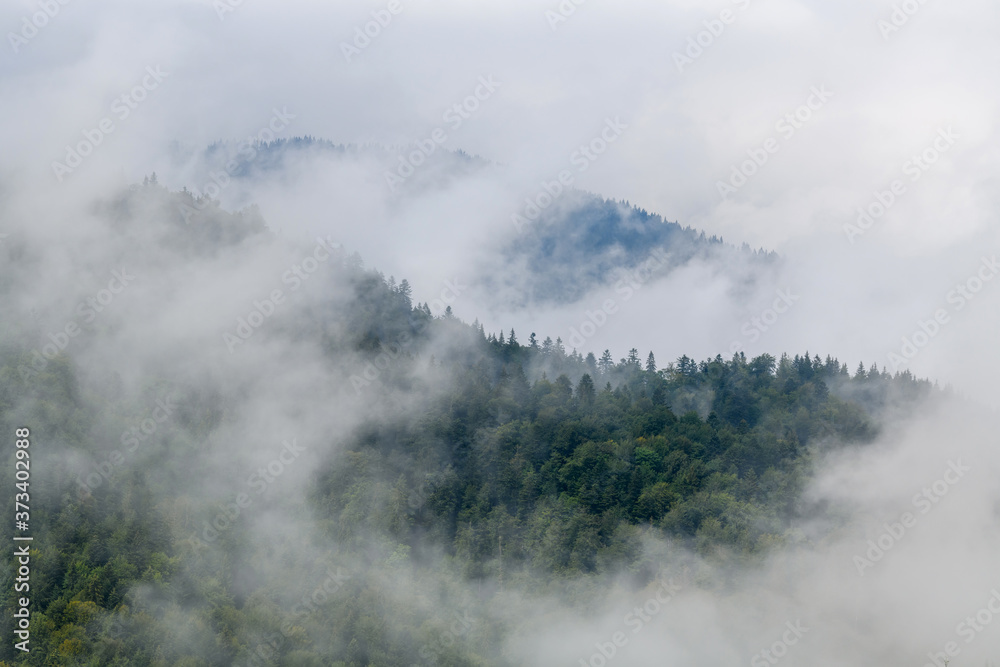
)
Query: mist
[{"x": 211, "y": 333}]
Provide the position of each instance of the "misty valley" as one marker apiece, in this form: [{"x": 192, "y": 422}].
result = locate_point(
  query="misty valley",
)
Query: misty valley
[
  {"x": 311, "y": 467},
  {"x": 506, "y": 333}
]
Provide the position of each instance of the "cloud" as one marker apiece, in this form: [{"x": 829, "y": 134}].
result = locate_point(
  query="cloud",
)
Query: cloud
[{"x": 858, "y": 297}]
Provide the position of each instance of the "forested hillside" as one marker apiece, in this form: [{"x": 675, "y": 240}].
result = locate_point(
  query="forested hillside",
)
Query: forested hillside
[
  {"x": 585, "y": 241},
  {"x": 488, "y": 464},
  {"x": 565, "y": 465}
]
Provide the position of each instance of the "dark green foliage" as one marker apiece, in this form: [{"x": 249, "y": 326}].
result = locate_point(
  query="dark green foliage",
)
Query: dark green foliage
[
  {"x": 712, "y": 453},
  {"x": 559, "y": 462}
]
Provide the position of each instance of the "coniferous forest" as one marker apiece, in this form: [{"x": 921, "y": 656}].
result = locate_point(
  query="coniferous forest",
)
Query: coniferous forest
[
  {"x": 499, "y": 334},
  {"x": 488, "y": 465}
]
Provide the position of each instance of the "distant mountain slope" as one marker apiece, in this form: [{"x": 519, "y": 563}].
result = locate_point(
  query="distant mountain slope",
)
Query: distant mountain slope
[
  {"x": 582, "y": 242},
  {"x": 588, "y": 241},
  {"x": 247, "y": 159}
]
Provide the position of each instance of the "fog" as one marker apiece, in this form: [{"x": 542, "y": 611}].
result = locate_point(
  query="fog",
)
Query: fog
[
  {"x": 850, "y": 600},
  {"x": 894, "y": 119}
]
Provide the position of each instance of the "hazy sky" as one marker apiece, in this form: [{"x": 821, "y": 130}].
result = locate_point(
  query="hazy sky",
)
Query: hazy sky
[
  {"x": 834, "y": 112},
  {"x": 689, "y": 113}
]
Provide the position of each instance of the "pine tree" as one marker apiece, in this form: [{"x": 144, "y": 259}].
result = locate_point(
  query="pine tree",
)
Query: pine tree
[
  {"x": 547, "y": 345},
  {"x": 686, "y": 366},
  {"x": 651, "y": 363},
  {"x": 406, "y": 291},
  {"x": 585, "y": 390},
  {"x": 607, "y": 362}
]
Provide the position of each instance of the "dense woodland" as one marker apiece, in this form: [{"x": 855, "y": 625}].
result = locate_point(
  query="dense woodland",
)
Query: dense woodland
[{"x": 534, "y": 470}]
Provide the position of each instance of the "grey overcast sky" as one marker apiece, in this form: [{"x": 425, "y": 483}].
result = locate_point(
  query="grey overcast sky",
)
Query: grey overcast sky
[{"x": 840, "y": 99}]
